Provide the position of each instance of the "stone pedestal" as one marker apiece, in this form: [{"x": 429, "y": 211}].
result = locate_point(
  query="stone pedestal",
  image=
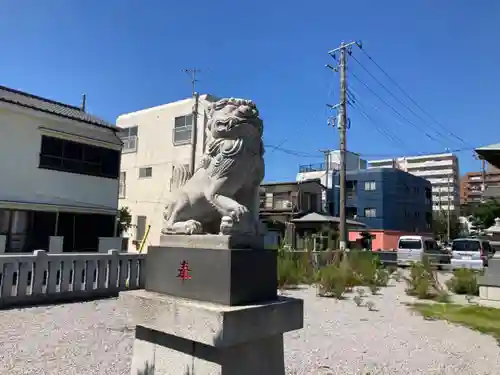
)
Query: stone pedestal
[
  {"x": 489, "y": 284},
  {"x": 210, "y": 307}
]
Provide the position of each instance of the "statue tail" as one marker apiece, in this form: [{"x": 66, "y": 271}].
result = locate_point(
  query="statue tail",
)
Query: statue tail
[{"x": 180, "y": 175}]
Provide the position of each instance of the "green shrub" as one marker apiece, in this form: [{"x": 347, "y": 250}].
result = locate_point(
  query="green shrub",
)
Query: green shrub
[
  {"x": 351, "y": 278},
  {"x": 290, "y": 272},
  {"x": 381, "y": 277},
  {"x": 361, "y": 292},
  {"x": 358, "y": 300},
  {"x": 464, "y": 281},
  {"x": 443, "y": 297},
  {"x": 332, "y": 281},
  {"x": 374, "y": 288},
  {"x": 422, "y": 281},
  {"x": 397, "y": 276},
  {"x": 370, "y": 305},
  {"x": 391, "y": 269},
  {"x": 364, "y": 265},
  {"x": 305, "y": 263}
]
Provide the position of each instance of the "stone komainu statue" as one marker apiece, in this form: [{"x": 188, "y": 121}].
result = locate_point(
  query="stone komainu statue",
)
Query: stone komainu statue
[{"x": 222, "y": 196}]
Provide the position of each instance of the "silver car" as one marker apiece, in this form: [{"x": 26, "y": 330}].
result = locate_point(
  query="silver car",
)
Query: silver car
[{"x": 470, "y": 253}]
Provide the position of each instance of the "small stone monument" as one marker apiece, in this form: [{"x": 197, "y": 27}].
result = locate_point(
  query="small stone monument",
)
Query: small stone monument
[
  {"x": 489, "y": 284},
  {"x": 210, "y": 305}
]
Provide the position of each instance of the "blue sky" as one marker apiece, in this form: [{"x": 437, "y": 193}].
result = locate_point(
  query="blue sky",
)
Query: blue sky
[{"x": 128, "y": 55}]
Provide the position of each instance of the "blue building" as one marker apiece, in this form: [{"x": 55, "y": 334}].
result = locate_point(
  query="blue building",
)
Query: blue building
[{"x": 391, "y": 202}]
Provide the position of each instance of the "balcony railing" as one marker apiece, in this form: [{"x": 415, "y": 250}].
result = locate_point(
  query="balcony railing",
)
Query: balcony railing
[{"x": 318, "y": 167}]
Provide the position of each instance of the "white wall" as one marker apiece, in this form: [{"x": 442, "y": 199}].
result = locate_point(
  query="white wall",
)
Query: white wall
[
  {"x": 155, "y": 148},
  {"x": 22, "y": 180},
  {"x": 353, "y": 161}
]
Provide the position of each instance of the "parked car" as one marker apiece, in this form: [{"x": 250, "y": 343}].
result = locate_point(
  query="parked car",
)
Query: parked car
[
  {"x": 470, "y": 253},
  {"x": 412, "y": 249}
]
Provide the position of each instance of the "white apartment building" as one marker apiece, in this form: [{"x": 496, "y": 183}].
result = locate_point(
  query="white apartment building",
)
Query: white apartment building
[
  {"x": 157, "y": 152},
  {"x": 60, "y": 168},
  {"x": 441, "y": 170},
  {"x": 315, "y": 171}
]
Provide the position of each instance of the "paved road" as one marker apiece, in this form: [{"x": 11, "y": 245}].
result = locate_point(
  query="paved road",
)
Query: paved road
[{"x": 95, "y": 338}]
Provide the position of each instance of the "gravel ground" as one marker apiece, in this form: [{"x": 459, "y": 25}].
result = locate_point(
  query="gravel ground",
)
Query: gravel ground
[{"x": 95, "y": 338}]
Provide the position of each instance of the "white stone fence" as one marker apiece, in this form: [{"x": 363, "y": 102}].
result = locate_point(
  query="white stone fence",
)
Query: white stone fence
[{"x": 41, "y": 277}]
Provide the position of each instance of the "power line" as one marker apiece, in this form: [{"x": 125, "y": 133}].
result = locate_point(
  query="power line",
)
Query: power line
[
  {"x": 396, "y": 111},
  {"x": 385, "y": 132},
  {"x": 292, "y": 152},
  {"x": 411, "y": 99},
  {"x": 454, "y": 151},
  {"x": 395, "y": 97},
  {"x": 355, "y": 99}
]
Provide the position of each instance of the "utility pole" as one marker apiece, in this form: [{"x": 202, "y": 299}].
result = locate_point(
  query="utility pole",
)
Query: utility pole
[
  {"x": 327, "y": 184},
  {"x": 448, "y": 219},
  {"x": 483, "y": 178},
  {"x": 342, "y": 126},
  {"x": 194, "y": 131}
]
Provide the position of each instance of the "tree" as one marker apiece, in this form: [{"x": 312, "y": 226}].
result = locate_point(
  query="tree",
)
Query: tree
[
  {"x": 440, "y": 225},
  {"x": 124, "y": 220},
  {"x": 484, "y": 214}
]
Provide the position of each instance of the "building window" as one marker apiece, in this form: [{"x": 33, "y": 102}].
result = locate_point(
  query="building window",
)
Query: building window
[
  {"x": 282, "y": 201},
  {"x": 370, "y": 212},
  {"x": 370, "y": 185},
  {"x": 73, "y": 157},
  {"x": 145, "y": 172},
  {"x": 123, "y": 178},
  {"x": 183, "y": 127},
  {"x": 262, "y": 200},
  {"x": 129, "y": 138}
]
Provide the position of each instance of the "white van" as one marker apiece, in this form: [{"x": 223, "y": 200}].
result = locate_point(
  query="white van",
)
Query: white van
[{"x": 412, "y": 248}]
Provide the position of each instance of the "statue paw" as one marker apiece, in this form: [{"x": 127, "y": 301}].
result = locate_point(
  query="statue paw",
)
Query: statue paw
[
  {"x": 183, "y": 227},
  {"x": 239, "y": 212},
  {"x": 193, "y": 227},
  {"x": 226, "y": 225},
  {"x": 244, "y": 225}
]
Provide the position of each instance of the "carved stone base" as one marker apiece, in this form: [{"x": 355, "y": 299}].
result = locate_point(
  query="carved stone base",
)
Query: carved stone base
[
  {"x": 178, "y": 336},
  {"x": 230, "y": 270},
  {"x": 489, "y": 284}
]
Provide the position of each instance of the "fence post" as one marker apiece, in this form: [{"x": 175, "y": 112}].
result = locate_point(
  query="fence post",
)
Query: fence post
[
  {"x": 39, "y": 268},
  {"x": 3, "y": 242},
  {"x": 113, "y": 269}
]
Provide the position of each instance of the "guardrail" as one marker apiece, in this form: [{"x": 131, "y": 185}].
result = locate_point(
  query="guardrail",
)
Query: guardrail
[
  {"x": 386, "y": 258},
  {"x": 41, "y": 277}
]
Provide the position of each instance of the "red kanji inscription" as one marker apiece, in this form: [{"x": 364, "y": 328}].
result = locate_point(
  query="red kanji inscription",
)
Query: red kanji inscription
[{"x": 184, "y": 271}]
